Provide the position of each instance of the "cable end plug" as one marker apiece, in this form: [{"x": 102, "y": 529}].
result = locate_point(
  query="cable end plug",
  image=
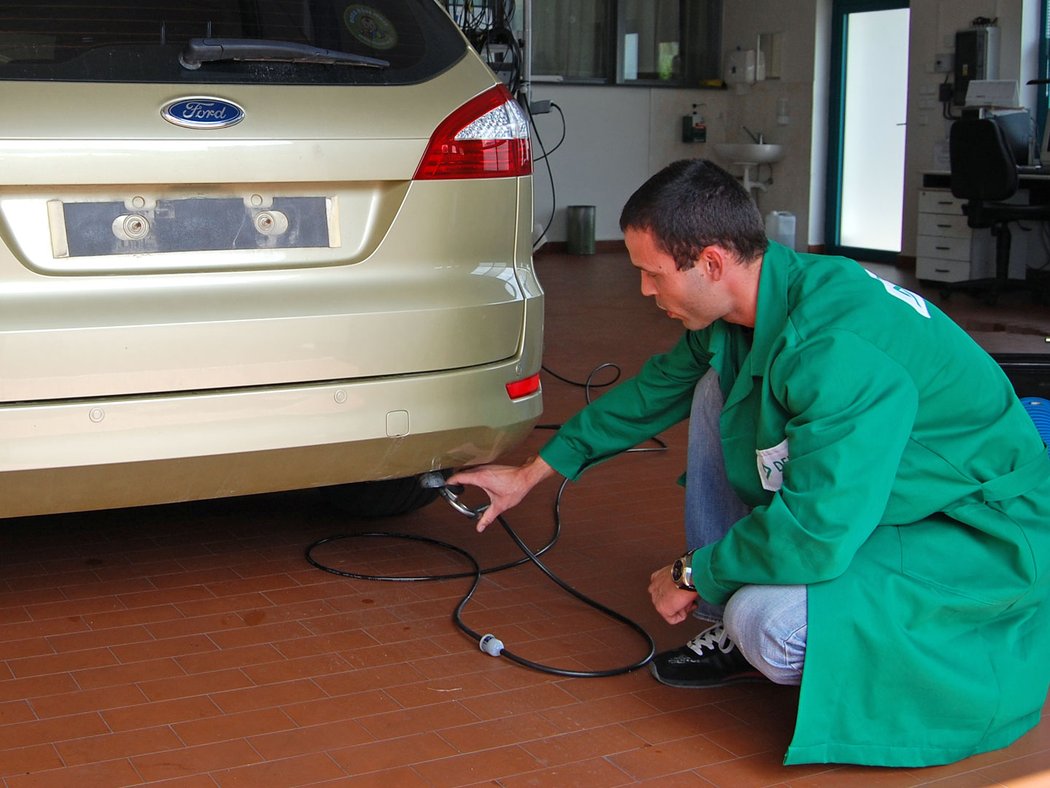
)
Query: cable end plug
[{"x": 491, "y": 645}]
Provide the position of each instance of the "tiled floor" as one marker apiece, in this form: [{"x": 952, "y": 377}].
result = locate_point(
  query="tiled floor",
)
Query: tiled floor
[{"x": 193, "y": 645}]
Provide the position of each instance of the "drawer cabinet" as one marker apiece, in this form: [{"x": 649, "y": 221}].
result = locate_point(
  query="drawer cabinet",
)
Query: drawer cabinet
[{"x": 944, "y": 243}]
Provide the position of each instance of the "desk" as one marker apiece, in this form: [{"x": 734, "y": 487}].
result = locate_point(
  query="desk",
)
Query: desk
[
  {"x": 948, "y": 250},
  {"x": 942, "y": 179}
]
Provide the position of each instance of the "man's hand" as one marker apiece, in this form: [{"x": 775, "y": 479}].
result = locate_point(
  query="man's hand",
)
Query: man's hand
[
  {"x": 674, "y": 604},
  {"x": 505, "y": 485}
]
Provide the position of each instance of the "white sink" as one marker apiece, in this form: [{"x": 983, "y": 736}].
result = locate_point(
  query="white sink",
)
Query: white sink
[{"x": 749, "y": 152}]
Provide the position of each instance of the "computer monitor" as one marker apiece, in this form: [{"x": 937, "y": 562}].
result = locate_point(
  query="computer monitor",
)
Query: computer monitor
[
  {"x": 1016, "y": 126},
  {"x": 1042, "y": 153}
]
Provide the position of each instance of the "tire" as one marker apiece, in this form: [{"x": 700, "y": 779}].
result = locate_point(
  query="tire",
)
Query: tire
[{"x": 386, "y": 498}]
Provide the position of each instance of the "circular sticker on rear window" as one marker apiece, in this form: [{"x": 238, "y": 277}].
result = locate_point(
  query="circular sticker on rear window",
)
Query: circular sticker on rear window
[{"x": 369, "y": 26}]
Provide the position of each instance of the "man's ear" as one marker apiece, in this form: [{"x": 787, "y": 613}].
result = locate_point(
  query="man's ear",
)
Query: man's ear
[{"x": 713, "y": 261}]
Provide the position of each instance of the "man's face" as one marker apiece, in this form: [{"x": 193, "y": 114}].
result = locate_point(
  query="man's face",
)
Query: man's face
[{"x": 689, "y": 296}]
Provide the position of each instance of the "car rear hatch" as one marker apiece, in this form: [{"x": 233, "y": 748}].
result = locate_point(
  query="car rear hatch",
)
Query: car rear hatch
[{"x": 170, "y": 223}]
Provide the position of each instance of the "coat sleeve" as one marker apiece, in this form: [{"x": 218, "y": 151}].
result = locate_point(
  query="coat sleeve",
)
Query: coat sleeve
[
  {"x": 850, "y": 411},
  {"x": 641, "y": 407}
]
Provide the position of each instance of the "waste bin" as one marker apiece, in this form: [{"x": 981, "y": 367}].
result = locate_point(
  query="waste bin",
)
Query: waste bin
[
  {"x": 580, "y": 230},
  {"x": 780, "y": 227}
]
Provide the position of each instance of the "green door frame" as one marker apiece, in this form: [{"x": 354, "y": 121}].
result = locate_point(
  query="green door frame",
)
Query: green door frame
[{"x": 840, "y": 11}]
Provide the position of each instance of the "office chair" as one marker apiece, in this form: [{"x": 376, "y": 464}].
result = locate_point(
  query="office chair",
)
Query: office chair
[{"x": 984, "y": 173}]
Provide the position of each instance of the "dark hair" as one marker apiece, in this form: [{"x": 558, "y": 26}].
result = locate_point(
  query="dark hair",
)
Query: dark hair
[{"x": 691, "y": 204}]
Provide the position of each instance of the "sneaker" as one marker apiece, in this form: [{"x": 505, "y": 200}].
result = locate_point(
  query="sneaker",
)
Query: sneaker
[{"x": 710, "y": 659}]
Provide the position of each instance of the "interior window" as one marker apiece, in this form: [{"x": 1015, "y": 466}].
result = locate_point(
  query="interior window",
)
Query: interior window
[{"x": 652, "y": 42}]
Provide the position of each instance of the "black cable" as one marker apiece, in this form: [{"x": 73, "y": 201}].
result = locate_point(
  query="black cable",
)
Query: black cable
[
  {"x": 561, "y": 140},
  {"x": 550, "y": 173},
  {"x": 588, "y": 384},
  {"x": 592, "y": 603},
  {"x": 489, "y": 643}
]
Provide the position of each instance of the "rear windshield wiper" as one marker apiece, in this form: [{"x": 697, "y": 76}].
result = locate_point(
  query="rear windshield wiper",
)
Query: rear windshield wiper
[{"x": 210, "y": 50}]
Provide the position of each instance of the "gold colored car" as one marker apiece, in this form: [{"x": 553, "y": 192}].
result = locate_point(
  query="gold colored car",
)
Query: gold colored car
[{"x": 249, "y": 247}]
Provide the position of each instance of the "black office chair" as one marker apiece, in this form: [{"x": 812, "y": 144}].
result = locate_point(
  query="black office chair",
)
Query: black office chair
[{"x": 983, "y": 171}]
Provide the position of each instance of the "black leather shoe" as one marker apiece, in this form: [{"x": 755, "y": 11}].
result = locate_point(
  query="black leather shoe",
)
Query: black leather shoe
[{"x": 710, "y": 659}]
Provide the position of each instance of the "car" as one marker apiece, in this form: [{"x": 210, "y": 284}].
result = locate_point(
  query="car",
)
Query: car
[{"x": 253, "y": 247}]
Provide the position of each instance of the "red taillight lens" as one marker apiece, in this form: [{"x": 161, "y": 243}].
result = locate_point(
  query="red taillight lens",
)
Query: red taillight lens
[
  {"x": 523, "y": 388},
  {"x": 488, "y": 137}
]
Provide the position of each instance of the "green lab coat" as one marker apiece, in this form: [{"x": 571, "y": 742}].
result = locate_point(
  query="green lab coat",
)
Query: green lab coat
[{"x": 894, "y": 472}]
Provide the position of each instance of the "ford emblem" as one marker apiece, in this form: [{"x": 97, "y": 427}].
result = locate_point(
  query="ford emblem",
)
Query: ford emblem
[{"x": 202, "y": 113}]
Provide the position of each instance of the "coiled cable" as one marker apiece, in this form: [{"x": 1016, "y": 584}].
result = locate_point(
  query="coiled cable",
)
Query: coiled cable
[{"x": 489, "y": 643}]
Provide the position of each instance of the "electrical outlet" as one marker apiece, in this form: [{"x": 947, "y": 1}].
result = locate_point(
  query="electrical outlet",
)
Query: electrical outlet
[{"x": 942, "y": 63}]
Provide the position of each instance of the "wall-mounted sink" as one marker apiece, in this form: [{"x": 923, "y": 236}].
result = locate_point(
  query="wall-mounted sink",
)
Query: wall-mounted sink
[{"x": 749, "y": 152}]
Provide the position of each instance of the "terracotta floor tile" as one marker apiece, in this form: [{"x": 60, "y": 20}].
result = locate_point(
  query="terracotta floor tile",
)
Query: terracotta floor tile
[
  {"x": 17, "y": 711},
  {"x": 584, "y": 745},
  {"x": 393, "y": 753},
  {"x": 326, "y": 737},
  {"x": 191, "y": 761},
  {"x": 73, "y": 726},
  {"x": 230, "y": 727},
  {"x": 499, "y": 732},
  {"x": 111, "y": 676},
  {"x": 408, "y": 721},
  {"x": 179, "y": 685},
  {"x": 100, "y": 637},
  {"x": 281, "y": 773},
  {"x": 267, "y": 696},
  {"x": 41, "y": 665},
  {"x": 16, "y": 760},
  {"x": 118, "y": 772},
  {"x": 594, "y": 773},
  {"x": 112, "y": 746},
  {"x": 430, "y": 691},
  {"x": 86, "y": 701},
  {"x": 224, "y": 659},
  {"x": 139, "y": 615},
  {"x": 162, "y": 712},
  {"x": 488, "y": 765},
  {"x": 403, "y": 777},
  {"x": 537, "y": 698},
  {"x": 325, "y": 664},
  {"x": 656, "y": 760},
  {"x": 359, "y": 705}
]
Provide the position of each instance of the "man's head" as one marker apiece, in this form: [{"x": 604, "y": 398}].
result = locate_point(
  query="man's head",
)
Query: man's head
[
  {"x": 697, "y": 241},
  {"x": 692, "y": 204}
]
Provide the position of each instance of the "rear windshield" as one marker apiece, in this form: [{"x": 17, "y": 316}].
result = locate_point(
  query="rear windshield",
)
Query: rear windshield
[{"x": 145, "y": 40}]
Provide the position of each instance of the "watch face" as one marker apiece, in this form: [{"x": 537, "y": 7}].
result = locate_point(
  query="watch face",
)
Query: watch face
[{"x": 677, "y": 570}]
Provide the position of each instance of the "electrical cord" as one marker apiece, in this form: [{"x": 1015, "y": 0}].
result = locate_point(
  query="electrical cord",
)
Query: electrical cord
[
  {"x": 489, "y": 643},
  {"x": 545, "y": 158}
]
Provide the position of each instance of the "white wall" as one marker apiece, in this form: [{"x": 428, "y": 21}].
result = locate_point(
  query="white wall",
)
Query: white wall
[{"x": 617, "y": 136}]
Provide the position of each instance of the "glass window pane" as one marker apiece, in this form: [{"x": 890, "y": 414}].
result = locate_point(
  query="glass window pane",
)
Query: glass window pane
[
  {"x": 570, "y": 39},
  {"x": 140, "y": 40},
  {"x": 650, "y": 32}
]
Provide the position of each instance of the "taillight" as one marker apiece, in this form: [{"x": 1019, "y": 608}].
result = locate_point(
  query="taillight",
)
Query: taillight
[
  {"x": 523, "y": 388},
  {"x": 488, "y": 137}
]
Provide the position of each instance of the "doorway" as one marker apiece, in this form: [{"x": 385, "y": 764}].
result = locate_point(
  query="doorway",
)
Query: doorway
[{"x": 868, "y": 97}]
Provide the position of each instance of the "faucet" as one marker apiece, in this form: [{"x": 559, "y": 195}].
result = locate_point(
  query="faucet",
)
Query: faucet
[{"x": 758, "y": 139}]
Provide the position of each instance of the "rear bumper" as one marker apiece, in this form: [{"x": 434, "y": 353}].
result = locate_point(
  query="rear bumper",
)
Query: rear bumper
[{"x": 97, "y": 454}]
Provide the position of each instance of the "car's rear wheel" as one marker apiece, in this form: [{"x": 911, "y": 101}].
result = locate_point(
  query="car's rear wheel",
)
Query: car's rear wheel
[{"x": 386, "y": 498}]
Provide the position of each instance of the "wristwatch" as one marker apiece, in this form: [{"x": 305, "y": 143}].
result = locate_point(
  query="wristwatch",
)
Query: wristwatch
[{"x": 682, "y": 572}]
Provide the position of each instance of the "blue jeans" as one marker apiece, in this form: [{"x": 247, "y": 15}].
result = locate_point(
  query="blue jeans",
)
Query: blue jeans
[{"x": 767, "y": 623}]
